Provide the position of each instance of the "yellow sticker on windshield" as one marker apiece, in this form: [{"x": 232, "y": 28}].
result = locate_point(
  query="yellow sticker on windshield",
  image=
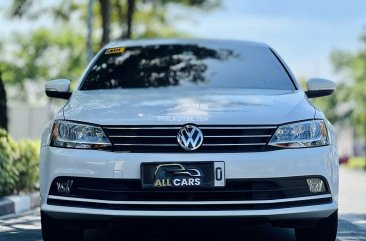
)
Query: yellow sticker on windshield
[{"x": 114, "y": 50}]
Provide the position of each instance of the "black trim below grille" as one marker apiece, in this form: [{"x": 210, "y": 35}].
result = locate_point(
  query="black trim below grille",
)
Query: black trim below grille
[
  {"x": 206, "y": 207},
  {"x": 217, "y": 139},
  {"x": 235, "y": 190}
]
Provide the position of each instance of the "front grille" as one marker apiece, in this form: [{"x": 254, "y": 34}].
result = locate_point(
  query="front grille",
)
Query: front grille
[
  {"x": 164, "y": 138},
  {"x": 235, "y": 190}
]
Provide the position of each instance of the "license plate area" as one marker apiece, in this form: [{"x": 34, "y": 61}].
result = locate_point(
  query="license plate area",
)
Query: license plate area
[{"x": 182, "y": 175}]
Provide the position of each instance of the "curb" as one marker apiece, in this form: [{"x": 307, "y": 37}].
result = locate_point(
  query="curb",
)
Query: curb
[{"x": 16, "y": 204}]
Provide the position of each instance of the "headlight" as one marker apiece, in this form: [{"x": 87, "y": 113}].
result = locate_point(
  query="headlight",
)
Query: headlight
[
  {"x": 301, "y": 134},
  {"x": 75, "y": 135}
]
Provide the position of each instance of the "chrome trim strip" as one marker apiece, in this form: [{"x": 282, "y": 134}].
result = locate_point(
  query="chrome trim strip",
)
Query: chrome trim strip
[
  {"x": 238, "y": 127},
  {"x": 236, "y": 136},
  {"x": 282, "y": 200},
  {"x": 314, "y": 211},
  {"x": 146, "y": 144},
  {"x": 227, "y": 136},
  {"x": 143, "y": 136},
  {"x": 144, "y": 128},
  {"x": 236, "y": 144},
  {"x": 201, "y": 127}
]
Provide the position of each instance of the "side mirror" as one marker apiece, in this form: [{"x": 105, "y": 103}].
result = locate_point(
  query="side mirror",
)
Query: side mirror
[
  {"x": 59, "y": 88},
  {"x": 320, "y": 87}
]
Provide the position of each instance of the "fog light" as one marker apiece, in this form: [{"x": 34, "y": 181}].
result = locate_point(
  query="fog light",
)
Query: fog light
[
  {"x": 316, "y": 185},
  {"x": 64, "y": 187}
]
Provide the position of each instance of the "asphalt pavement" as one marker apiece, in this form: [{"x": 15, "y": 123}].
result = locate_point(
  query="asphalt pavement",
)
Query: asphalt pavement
[{"x": 351, "y": 226}]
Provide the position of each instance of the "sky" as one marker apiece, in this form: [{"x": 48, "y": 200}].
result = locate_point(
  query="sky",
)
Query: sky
[{"x": 304, "y": 32}]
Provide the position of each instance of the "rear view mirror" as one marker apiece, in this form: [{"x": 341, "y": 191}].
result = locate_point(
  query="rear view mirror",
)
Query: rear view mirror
[
  {"x": 59, "y": 88},
  {"x": 318, "y": 87}
]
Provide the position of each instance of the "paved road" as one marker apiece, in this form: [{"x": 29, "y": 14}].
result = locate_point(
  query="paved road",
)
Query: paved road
[{"x": 352, "y": 223}]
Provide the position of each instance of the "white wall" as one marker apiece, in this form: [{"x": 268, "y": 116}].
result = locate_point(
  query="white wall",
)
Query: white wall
[
  {"x": 345, "y": 140},
  {"x": 28, "y": 121}
]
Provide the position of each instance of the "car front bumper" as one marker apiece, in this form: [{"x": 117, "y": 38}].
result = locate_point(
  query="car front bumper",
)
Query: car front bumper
[{"x": 320, "y": 161}]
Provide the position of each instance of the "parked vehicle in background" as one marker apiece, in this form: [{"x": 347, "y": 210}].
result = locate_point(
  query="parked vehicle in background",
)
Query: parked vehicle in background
[
  {"x": 187, "y": 129},
  {"x": 343, "y": 160}
]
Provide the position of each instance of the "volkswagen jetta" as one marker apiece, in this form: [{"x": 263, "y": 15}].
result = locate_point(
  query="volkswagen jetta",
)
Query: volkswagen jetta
[{"x": 182, "y": 129}]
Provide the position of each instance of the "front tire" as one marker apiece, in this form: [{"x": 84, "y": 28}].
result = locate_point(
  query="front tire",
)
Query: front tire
[
  {"x": 325, "y": 230},
  {"x": 54, "y": 230}
]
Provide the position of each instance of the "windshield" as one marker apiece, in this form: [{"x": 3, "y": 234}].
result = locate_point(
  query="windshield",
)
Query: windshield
[{"x": 185, "y": 65}]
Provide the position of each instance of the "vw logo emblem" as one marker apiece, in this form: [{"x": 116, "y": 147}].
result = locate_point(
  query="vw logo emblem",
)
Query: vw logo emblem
[{"x": 190, "y": 137}]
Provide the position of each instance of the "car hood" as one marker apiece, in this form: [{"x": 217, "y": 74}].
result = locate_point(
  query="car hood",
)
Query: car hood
[{"x": 172, "y": 107}]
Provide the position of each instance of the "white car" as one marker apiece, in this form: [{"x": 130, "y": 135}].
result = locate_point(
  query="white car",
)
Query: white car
[{"x": 210, "y": 129}]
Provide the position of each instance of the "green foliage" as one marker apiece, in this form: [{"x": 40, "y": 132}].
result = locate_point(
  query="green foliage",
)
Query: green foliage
[
  {"x": 152, "y": 22},
  {"x": 18, "y": 164},
  {"x": 356, "y": 163},
  {"x": 151, "y": 18},
  {"x": 27, "y": 165},
  {"x": 302, "y": 81},
  {"x": 336, "y": 107},
  {"x": 8, "y": 172},
  {"x": 20, "y": 7},
  {"x": 60, "y": 52},
  {"x": 353, "y": 65},
  {"x": 45, "y": 54}
]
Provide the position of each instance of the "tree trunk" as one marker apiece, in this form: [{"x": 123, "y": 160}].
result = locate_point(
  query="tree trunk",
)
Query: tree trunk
[
  {"x": 364, "y": 144},
  {"x": 130, "y": 13},
  {"x": 105, "y": 10},
  {"x": 3, "y": 109},
  {"x": 121, "y": 17}
]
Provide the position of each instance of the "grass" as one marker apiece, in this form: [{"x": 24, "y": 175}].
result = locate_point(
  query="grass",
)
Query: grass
[{"x": 356, "y": 162}]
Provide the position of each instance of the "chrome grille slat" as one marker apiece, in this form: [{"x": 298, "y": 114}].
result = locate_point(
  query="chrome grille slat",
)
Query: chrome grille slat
[
  {"x": 179, "y": 127},
  {"x": 140, "y": 144},
  {"x": 142, "y": 128},
  {"x": 236, "y": 144},
  {"x": 247, "y": 136},
  {"x": 239, "y": 127},
  {"x": 161, "y": 139},
  {"x": 143, "y": 136}
]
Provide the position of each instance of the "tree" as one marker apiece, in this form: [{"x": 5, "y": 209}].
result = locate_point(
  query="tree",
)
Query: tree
[
  {"x": 3, "y": 108},
  {"x": 337, "y": 107},
  {"x": 353, "y": 65},
  {"x": 128, "y": 15},
  {"x": 105, "y": 12},
  {"x": 158, "y": 8},
  {"x": 43, "y": 55},
  {"x": 47, "y": 54}
]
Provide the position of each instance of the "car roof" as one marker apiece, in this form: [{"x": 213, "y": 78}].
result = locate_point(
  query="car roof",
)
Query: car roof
[{"x": 144, "y": 42}]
